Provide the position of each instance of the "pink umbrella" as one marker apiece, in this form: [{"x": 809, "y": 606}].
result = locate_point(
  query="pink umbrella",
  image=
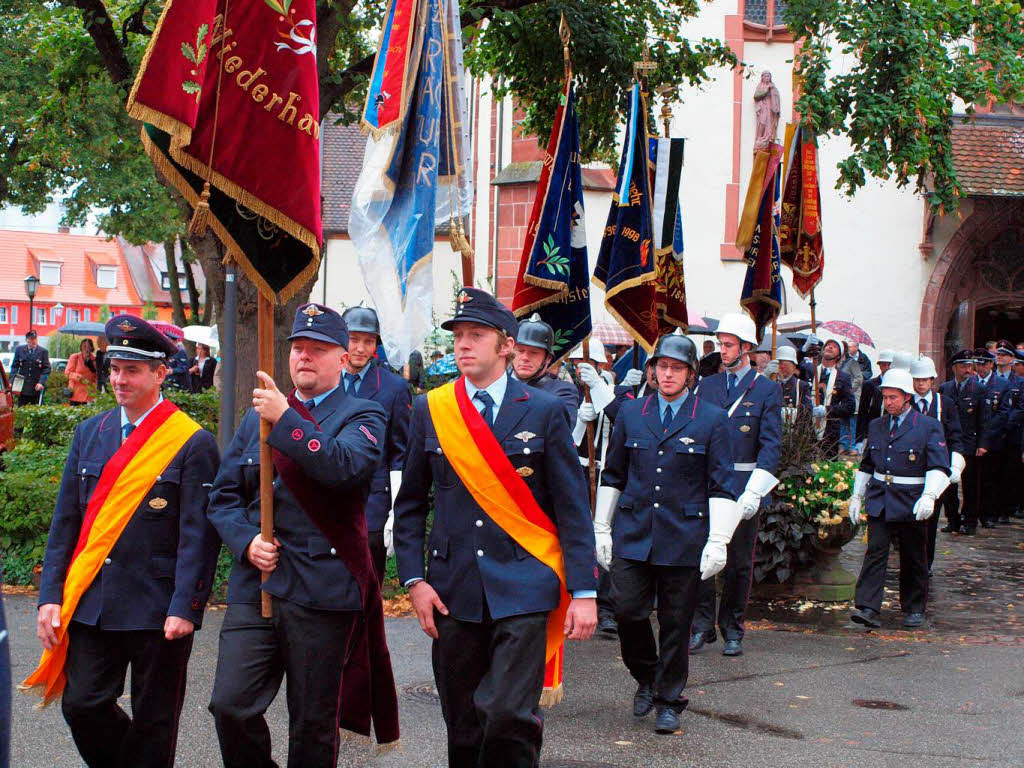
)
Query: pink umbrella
[
  {"x": 849, "y": 331},
  {"x": 610, "y": 332},
  {"x": 168, "y": 329}
]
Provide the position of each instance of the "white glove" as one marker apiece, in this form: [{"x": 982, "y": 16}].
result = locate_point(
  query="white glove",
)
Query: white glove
[
  {"x": 587, "y": 412},
  {"x": 600, "y": 393},
  {"x": 860, "y": 489},
  {"x": 724, "y": 517},
  {"x": 818, "y": 412},
  {"x": 604, "y": 511},
  {"x": 389, "y": 526},
  {"x": 772, "y": 369},
  {"x": 956, "y": 467},
  {"x": 759, "y": 484},
  {"x": 633, "y": 377},
  {"x": 935, "y": 482}
]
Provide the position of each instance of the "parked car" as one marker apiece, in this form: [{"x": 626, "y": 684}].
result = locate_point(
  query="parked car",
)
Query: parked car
[{"x": 6, "y": 411}]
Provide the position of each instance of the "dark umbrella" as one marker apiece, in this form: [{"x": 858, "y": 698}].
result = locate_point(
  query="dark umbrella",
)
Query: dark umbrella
[{"x": 82, "y": 328}]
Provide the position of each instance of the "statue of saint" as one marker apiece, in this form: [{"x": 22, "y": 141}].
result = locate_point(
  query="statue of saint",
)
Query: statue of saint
[{"x": 766, "y": 109}]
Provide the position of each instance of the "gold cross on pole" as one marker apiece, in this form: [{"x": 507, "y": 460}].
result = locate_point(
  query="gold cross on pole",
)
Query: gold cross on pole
[{"x": 642, "y": 67}]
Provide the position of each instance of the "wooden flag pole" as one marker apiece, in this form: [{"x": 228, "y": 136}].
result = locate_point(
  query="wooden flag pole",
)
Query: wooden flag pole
[
  {"x": 265, "y": 341},
  {"x": 591, "y": 458},
  {"x": 814, "y": 304}
]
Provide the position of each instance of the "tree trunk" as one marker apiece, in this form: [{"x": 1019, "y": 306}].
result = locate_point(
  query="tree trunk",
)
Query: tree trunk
[
  {"x": 193, "y": 292},
  {"x": 177, "y": 311}
]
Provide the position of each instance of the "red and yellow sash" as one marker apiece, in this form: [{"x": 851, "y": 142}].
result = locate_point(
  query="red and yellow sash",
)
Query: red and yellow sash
[
  {"x": 503, "y": 495},
  {"x": 123, "y": 484}
]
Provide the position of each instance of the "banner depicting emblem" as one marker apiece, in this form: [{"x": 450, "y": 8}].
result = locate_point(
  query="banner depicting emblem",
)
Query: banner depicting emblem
[
  {"x": 231, "y": 97},
  {"x": 800, "y": 239},
  {"x": 554, "y": 272},
  {"x": 626, "y": 268},
  {"x": 415, "y": 166},
  {"x": 762, "y": 286}
]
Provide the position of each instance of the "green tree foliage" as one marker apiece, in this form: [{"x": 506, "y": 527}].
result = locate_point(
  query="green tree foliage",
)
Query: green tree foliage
[{"x": 908, "y": 65}]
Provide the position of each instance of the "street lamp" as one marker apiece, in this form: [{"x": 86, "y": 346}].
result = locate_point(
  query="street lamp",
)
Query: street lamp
[{"x": 31, "y": 285}]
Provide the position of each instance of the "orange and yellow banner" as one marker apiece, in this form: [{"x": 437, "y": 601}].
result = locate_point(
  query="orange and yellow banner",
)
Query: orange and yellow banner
[
  {"x": 123, "y": 484},
  {"x": 503, "y": 495}
]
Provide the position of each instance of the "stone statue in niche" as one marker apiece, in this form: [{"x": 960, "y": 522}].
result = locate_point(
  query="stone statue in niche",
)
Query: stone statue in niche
[{"x": 766, "y": 110}]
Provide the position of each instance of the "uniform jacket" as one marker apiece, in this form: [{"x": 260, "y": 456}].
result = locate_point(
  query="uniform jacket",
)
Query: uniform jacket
[
  {"x": 992, "y": 419},
  {"x": 842, "y": 404},
  {"x": 179, "y": 375},
  {"x": 805, "y": 370},
  {"x": 471, "y": 559},
  {"x": 204, "y": 380},
  {"x": 564, "y": 391},
  {"x": 162, "y": 564},
  {"x": 796, "y": 393},
  {"x": 917, "y": 447},
  {"x": 33, "y": 363},
  {"x": 391, "y": 392},
  {"x": 755, "y": 426},
  {"x": 1011, "y": 406},
  {"x": 949, "y": 418},
  {"x": 968, "y": 405},
  {"x": 342, "y": 454},
  {"x": 666, "y": 479},
  {"x": 870, "y": 406}
]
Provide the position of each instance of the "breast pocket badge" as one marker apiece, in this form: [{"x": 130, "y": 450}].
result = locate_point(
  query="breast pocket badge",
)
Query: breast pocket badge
[
  {"x": 524, "y": 436},
  {"x": 158, "y": 503},
  {"x": 686, "y": 440},
  {"x": 524, "y": 471},
  {"x": 745, "y": 428}
]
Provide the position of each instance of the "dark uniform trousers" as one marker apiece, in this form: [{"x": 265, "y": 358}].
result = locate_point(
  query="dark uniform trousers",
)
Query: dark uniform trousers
[
  {"x": 736, "y": 581},
  {"x": 488, "y": 692},
  {"x": 96, "y": 665},
  {"x": 308, "y": 645},
  {"x": 988, "y": 494},
  {"x": 635, "y": 585},
  {"x": 378, "y": 554},
  {"x": 911, "y": 537}
]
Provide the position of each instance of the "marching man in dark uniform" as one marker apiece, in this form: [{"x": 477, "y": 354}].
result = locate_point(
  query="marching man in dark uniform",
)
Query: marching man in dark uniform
[
  {"x": 966, "y": 395},
  {"x": 1008, "y": 458},
  {"x": 666, "y": 511},
  {"x": 870, "y": 398},
  {"x": 753, "y": 404},
  {"x": 835, "y": 401},
  {"x": 129, "y": 562},
  {"x": 991, "y": 437},
  {"x": 796, "y": 393},
  {"x": 904, "y": 471},
  {"x": 511, "y": 541},
  {"x": 535, "y": 349},
  {"x": 365, "y": 377},
  {"x": 326, "y": 634},
  {"x": 32, "y": 363},
  {"x": 941, "y": 408}
]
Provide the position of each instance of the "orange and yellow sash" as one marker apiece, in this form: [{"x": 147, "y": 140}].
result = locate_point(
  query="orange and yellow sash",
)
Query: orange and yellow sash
[
  {"x": 123, "y": 484},
  {"x": 503, "y": 495}
]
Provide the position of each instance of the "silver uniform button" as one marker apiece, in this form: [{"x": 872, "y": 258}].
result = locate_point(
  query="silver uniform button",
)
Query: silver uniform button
[
  {"x": 479, "y": 523},
  {"x": 662, "y": 453},
  {"x": 526, "y": 450},
  {"x": 479, "y": 553},
  {"x": 435, "y": 553},
  {"x": 334, "y": 551},
  {"x": 657, "y": 469},
  {"x": 657, "y": 487},
  {"x": 159, "y": 478},
  {"x": 439, "y": 450},
  {"x": 656, "y": 505},
  {"x": 691, "y": 450},
  {"x": 83, "y": 470},
  {"x": 107, "y": 561},
  {"x": 249, "y": 461}
]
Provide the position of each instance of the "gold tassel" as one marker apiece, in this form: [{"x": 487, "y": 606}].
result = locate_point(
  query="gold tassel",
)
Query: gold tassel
[
  {"x": 201, "y": 216},
  {"x": 551, "y": 697},
  {"x": 459, "y": 241}
]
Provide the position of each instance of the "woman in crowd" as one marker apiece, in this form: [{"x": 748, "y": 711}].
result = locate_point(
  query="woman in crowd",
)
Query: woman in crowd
[{"x": 81, "y": 372}]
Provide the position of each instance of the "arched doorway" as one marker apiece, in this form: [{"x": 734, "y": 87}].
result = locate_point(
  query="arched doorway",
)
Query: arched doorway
[{"x": 976, "y": 290}]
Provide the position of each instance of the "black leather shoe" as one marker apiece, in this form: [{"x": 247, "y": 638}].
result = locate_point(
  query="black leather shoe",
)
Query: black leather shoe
[
  {"x": 668, "y": 720},
  {"x": 699, "y": 639},
  {"x": 967, "y": 530},
  {"x": 913, "y": 620},
  {"x": 1004, "y": 519},
  {"x": 869, "y": 617},
  {"x": 987, "y": 524},
  {"x": 732, "y": 648},
  {"x": 643, "y": 700},
  {"x": 950, "y": 529},
  {"x": 607, "y": 626}
]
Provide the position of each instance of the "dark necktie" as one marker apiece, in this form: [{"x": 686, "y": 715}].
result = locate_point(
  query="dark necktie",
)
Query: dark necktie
[
  {"x": 895, "y": 424},
  {"x": 351, "y": 382},
  {"x": 309, "y": 405},
  {"x": 730, "y": 383},
  {"x": 488, "y": 411},
  {"x": 666, "y": 420},
  {"x": 126, "y": 430},
  {"x": 922, "y": 406}
]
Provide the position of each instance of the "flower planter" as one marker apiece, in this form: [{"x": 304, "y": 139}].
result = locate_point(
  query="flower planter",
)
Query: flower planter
[{"x": 826, "y": 580}]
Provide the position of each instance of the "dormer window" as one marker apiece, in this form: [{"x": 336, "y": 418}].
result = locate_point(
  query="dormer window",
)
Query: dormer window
[
  {"x": 106, "y": 277},
  {"x": 49, "y": 272}
]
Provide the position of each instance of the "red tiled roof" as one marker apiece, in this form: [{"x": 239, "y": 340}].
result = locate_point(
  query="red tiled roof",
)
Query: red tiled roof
[
  {"x": 343, "y": 148},
  {"x": 20, "y": 253},
  {"x": 988, "y": 155}
]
